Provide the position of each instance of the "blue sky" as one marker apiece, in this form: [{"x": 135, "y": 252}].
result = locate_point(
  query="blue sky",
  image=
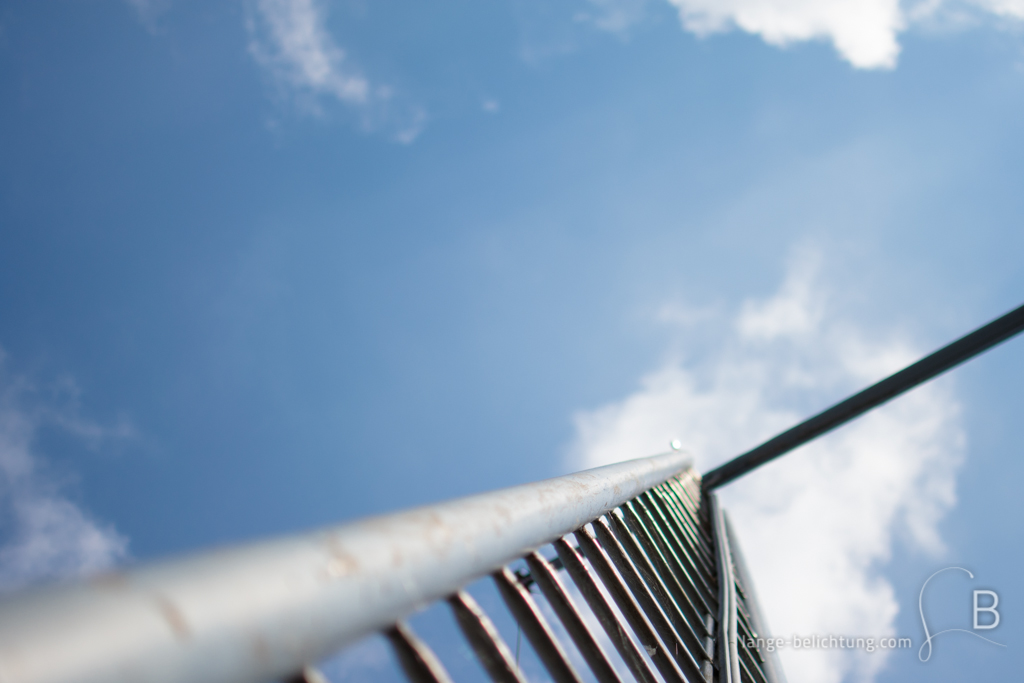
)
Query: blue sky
[{"x": 271, "y": 265}]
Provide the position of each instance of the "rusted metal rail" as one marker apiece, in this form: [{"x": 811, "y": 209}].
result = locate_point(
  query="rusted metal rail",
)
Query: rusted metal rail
[{"x": 636, "y": 532}]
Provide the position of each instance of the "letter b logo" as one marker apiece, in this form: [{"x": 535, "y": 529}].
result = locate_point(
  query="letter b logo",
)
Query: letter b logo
[{"x": 991, "y": 608}]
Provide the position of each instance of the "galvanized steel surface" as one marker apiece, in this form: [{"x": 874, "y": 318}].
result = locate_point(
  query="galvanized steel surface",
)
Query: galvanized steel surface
[
  {"x": 262, "y": 611},
  {"x": 772, "y": 667},
  {"x": 728, "y": 651}
]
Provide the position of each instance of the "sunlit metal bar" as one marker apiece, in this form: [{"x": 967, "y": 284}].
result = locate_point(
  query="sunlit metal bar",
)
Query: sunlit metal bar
[
  {"x": 629, "y": 606},
  {"x": 641, "y": 581},
  {"x": 308, "y": 675},
  {"x": 686, "y": 574},
  {"x": 417, "y": 660},
  {"x": 686, "y": 635},
  {"x": 562, "y": 605},
  {"x": 262, "y": 612},
  {"x": 728, "y": 657},
  {"x": 770, "y": 660},
  {"x": 693, "y": 617},
  {"x": 615, "y": 629},
  {"x": 483, "y": 637},
  {"x": 947, "y": 357},
  {"x": 535, "y": 627}
]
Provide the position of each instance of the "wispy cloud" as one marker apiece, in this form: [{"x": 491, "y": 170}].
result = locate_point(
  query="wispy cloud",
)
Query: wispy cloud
[
  {"x": 1003, "y": 8},
  {"x": 819, "y": 525},
  {"x": 290, "y": 39},
  {"x": 614, "y": 16},
  {"x": 44, "y": 534},
  {"x": 149, "y": 11}
]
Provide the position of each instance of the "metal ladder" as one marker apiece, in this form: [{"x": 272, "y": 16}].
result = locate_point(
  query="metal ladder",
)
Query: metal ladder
[
  {"x": 643, "y": 544},
  {"x": 664, "y": 559}
]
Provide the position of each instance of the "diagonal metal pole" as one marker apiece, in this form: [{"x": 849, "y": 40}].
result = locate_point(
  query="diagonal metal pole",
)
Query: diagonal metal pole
[{"x": 965, "y": 348}]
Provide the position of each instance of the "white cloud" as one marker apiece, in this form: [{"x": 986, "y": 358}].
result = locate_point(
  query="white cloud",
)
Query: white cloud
[
  {"x": 864, "y": 32},
  {"x": 818, "y": 525},
  {"x": 45, "y": 535},
  {"x": 614, "y": 16},
  {"x": 149, "y": 11},
  {"x": 296, "y": 47},
  {"x": 410, "y": 128},
  {"x": 1005, "y": 8},
  {"x": 290, "y": 39}
]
